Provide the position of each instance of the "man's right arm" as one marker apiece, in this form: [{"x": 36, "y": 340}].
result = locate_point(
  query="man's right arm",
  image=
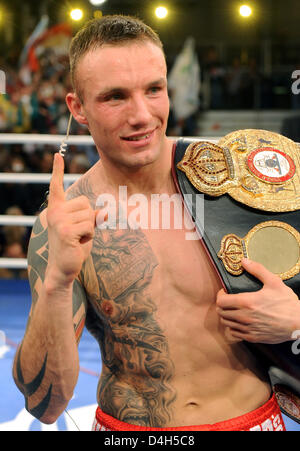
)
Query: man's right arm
[{"x": 46, "y": 364}]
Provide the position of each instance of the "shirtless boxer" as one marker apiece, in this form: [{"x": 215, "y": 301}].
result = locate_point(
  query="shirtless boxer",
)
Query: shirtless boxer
[{"x": 169, "y": 335}]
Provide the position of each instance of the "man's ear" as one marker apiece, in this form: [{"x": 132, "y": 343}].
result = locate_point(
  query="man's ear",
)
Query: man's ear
[{"x": 76, "y": 108}]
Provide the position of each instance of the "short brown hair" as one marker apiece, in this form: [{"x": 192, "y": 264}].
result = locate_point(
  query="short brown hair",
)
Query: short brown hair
[{"x": 110, "y": 30}]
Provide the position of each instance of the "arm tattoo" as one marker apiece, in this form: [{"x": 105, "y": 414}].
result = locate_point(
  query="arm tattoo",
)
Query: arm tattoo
[
  {"x": 37, "y": 257},
  {"x": 39, "y": 410},
  {"x": 30, "y": 388},
  {"x": 82, "y": 187},
  {"x": 37, "y": 265}
]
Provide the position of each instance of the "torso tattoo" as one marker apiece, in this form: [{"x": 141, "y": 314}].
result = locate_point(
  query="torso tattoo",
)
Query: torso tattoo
[{"x": 136, "y": 381}]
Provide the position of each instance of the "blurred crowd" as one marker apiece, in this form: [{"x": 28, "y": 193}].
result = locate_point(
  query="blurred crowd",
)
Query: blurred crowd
[
  {"x": 38, "y": 107},
  {"x": 244, "y": 84}
]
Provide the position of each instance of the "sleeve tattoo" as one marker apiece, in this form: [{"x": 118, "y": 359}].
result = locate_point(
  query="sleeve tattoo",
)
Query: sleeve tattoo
[{"x": 37, "y": 264}]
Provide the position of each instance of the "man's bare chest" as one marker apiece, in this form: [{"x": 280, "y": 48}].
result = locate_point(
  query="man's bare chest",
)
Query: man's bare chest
[{"x": 132, "y": 273}]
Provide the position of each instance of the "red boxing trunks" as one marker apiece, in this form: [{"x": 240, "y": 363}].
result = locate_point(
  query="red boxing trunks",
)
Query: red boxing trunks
[{"x": 265, "y": 418}]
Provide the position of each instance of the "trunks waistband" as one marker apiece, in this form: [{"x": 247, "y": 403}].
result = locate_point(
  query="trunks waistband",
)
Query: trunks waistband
[{"x": 265, "y": 418}]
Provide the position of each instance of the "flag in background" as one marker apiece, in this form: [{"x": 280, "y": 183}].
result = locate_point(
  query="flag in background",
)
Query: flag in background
[
  {"x": 37, "y": 32},
  {"x": 56, "y": 38},
  {"x": 184, "y": 82}
]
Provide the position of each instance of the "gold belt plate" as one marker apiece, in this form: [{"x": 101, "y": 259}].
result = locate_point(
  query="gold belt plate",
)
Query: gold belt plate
[
  {"x": 274, "y": 244},
  {"x": 258, "y": 168}
]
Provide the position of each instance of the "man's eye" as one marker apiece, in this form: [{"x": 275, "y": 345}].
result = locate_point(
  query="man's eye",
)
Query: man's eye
[
  {"x": 114, "y": 97},
  {"x": 155, "y": 89}
]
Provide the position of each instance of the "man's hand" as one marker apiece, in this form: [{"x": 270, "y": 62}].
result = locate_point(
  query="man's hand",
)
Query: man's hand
[
  {"x": 71, "y": 226},
  {"x": 269, "y": 315}
]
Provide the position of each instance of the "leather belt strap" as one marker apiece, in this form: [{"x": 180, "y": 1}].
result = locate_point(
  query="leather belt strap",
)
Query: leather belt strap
[{"x": 224, "y": 215}]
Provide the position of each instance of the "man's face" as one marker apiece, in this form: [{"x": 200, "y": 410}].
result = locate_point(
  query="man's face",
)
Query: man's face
[{"x": 125, "y": 102}]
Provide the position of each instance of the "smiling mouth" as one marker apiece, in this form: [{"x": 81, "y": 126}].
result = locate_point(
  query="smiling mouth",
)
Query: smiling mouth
[{"x": 138, "y": 138}]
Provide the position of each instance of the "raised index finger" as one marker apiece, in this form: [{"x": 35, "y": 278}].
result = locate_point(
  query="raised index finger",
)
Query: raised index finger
[{"x": 57, "y": 192}]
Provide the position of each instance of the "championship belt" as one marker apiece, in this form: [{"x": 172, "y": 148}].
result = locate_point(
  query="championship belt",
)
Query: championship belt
[{"x": 250, "y": 183}]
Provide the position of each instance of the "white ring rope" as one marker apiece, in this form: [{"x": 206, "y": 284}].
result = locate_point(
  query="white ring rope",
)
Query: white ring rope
[
  {"x": 86, "y": 140},
  {"x": 6, "y": 177},
  {"x": 13, "y": 263},
  {"x": 14, "y": 138},
  {"x": 17, "y": 220},
  {"x": 27, "y": 138}
]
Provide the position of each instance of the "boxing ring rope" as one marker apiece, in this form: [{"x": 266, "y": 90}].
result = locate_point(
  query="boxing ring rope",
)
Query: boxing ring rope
[
  {"x": 56, "y": 140},
  {"x": 32, "y": 178},
  {"x": 26, "y": 138},
  {"x": 86, "y": 140}
]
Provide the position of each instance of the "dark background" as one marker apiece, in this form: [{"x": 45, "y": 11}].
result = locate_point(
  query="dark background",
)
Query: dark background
[{"x": 274, "y": 26}]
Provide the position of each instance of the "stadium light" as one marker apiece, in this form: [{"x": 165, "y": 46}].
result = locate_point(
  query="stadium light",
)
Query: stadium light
[
  {"x": 161, "y": 12},
  {"x": 245, "y": 11},
  {"x": 97, "y": 2},
  {"x": 76, "y": 14}
]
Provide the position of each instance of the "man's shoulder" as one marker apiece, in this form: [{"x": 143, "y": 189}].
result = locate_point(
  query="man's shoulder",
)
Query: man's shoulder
[{"x": 84, "y": 186}]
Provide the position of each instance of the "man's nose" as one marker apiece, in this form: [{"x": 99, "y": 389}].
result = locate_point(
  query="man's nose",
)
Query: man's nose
[{"x": 139, "y": 112}]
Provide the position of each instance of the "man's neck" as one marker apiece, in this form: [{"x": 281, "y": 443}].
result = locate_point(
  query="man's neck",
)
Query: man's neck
[{"x": 152, "y": 178}]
